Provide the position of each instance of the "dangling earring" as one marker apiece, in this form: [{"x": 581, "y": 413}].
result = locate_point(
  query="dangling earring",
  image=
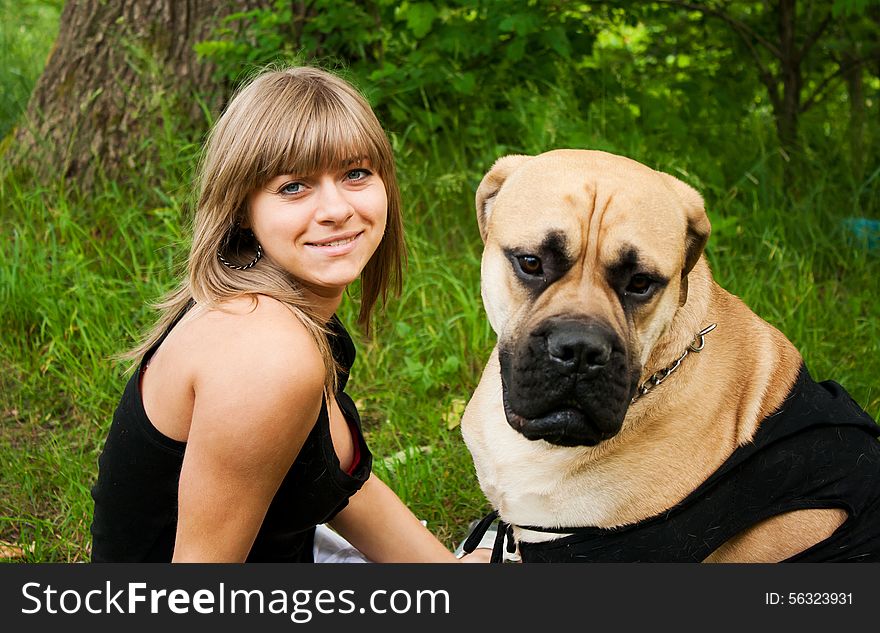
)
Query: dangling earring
[{"x": 250, "y": 264}]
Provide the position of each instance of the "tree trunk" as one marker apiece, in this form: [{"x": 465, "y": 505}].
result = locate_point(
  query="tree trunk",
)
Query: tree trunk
[
  {"x": 790, "y": 74},
  {"x": 119, "y": 72},
  {"x": 855, "y": 89}
]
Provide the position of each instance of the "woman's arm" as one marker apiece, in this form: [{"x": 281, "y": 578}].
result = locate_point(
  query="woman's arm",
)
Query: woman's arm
[
  {"x": 378, "y": 524},
  {"x": 258, "y": 392}
]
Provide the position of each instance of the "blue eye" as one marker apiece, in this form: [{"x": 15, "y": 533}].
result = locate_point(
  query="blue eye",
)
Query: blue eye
[
  {"x": 357, "y": 174},
  {"x": 292, "y": 188}
]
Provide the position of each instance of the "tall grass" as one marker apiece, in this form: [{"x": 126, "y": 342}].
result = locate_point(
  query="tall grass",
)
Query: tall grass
[
  {"x": 78, "y": 272},
  {"x": 27, "y": 30}
]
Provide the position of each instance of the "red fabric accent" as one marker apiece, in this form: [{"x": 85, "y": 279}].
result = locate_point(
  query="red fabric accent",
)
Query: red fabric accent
[{"x": 356, "y": 460}]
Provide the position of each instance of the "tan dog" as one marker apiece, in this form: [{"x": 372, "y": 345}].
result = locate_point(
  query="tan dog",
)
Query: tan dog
[{"x": 593, "y": 279}]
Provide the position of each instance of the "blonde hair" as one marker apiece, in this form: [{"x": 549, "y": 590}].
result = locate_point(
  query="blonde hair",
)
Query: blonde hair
[{"x": 300, "y": 120}]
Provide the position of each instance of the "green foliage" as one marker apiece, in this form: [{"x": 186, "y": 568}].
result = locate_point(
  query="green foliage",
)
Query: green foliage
[
  {"x": 427, "y": 68},
  {"x": 852, "y": 7},
  {"x": 27, "y": 30},
  {"x": 493, "y": 77}
]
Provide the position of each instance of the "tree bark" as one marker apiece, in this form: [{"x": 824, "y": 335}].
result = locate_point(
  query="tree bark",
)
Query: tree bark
[
  {"x": 120, "y": 71},
  {"x": 790, "y": 74},
  {"x": 855, "y": 89}
]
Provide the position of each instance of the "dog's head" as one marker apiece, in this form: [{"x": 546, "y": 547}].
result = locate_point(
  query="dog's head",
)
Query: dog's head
[{"x": 585, "y": 263}]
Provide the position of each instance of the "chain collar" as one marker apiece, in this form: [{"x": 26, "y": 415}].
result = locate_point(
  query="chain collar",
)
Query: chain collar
[{"x": 657, "y": 377}]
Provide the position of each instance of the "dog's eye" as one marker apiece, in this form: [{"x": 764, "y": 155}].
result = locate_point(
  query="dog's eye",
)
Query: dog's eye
[
  {"x": 530, "y": 265},
  {"x": 639, "y": 285}
]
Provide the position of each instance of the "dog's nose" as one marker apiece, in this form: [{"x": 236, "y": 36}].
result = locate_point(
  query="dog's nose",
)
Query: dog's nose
[{"x": 578, "y": 347}]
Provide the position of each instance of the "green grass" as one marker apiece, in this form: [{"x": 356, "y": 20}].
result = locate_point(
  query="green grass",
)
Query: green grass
[
  {"x": 27, "y": 30},
  {"x": 77, "y": 273}
]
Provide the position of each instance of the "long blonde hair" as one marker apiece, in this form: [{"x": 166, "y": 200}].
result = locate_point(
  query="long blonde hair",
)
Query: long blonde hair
[{"x": 300, "y": 120}]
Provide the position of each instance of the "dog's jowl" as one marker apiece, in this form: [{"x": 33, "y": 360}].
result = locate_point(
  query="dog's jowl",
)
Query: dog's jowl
[{"x": 633, "y": 410}]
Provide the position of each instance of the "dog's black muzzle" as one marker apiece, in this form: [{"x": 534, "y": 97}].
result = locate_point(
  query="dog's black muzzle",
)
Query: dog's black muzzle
[{"x": 569, "y": 382}]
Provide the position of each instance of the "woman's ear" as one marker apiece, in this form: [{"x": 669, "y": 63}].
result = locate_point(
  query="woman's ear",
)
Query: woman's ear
[
  {"x": 491, "y": 185},
  {"x": 243, "y": 216}
]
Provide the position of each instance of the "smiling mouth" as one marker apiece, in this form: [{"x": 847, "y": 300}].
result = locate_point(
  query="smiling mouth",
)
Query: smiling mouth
[{"x": 342, "y": 241}]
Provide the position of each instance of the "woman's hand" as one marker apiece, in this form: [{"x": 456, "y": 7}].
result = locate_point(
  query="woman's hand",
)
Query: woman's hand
[{"x": 479, "y": 555}]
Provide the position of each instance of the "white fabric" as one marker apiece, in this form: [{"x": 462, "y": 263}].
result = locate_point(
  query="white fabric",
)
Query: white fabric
[{"x": 332, "y": 548}]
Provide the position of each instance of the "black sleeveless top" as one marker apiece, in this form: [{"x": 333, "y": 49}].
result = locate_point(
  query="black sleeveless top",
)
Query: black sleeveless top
[
  {"x": 135, "y": 518},
  {"x": 820, "y": 450}
]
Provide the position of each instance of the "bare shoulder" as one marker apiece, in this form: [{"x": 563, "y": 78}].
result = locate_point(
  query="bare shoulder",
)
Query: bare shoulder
[
  {"x": 256, "y": 370},
  {"x": 256, "y": 334}
]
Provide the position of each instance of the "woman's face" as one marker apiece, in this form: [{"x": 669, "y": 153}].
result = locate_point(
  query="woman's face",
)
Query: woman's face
[{"x": 322, "y": 228}]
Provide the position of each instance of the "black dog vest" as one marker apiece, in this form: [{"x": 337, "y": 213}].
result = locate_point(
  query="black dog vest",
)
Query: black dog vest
[{"x": 820, "y": 450}]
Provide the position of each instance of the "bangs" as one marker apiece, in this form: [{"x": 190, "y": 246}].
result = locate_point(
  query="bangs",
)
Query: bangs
[{"x": 320, "y": 133}]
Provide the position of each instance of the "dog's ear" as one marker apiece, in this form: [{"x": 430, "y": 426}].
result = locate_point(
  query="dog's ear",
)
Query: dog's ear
[
  {"x": 491, "y": 185},
  {"x": 698, "y": 227}
]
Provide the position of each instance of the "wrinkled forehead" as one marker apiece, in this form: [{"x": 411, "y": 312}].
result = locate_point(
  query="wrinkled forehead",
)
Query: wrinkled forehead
[{"x": 603, "y": 209}]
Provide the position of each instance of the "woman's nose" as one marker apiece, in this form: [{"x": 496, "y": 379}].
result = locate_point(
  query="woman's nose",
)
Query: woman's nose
[{"x": 333, "y": 204}]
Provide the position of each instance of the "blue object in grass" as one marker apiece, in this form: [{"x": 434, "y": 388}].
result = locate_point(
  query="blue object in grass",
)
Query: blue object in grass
[{"x": 865, "y": 231}]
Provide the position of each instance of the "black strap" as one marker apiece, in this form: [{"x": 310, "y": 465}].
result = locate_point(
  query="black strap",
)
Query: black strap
[
  {"x": 479, "y": 531},
  {"x": 505, "y": 531},
  {"x": 497, "y": 556},
  {"x": 556, "y": 530}
]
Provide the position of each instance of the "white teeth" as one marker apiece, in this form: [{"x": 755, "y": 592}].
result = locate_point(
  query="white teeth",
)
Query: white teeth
[{"x": 338, "y": 242}]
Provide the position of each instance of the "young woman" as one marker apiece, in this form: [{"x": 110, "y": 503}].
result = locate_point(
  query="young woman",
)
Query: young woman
[{"x": 234, "y": 438}]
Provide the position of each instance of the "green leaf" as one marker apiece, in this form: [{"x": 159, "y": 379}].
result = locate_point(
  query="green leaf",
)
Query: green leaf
[
  {"x": 452, "y": 416},
  {"x": 558, "y": 41},
  {"x": 419, "y": 18},
  {"x": 519, "y": 23},
  {"x": 516, "y": 50},
  {"x": 450, "y": 364},
  {"x": 851, "y": 7},
  {"x": 464, "y": 83}
]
